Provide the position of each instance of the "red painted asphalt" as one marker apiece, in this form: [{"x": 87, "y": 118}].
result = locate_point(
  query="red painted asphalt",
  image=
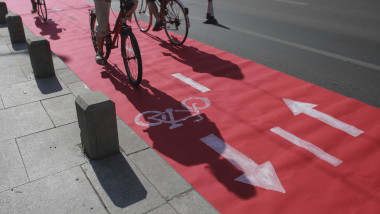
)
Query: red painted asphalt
[{"x": 246, "y": 102}]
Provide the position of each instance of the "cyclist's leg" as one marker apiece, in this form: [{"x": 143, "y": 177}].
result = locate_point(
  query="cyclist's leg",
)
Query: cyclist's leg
[
  {"x": 102, "y": 9},
  {"x": 153, "y": 8}
]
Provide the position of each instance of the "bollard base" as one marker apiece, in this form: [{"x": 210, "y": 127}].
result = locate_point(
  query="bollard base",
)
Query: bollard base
[{"x": 210, "y": 20}]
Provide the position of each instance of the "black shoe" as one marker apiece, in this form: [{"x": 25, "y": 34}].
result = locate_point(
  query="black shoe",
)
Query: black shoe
[{"x": 158, "y": 26}]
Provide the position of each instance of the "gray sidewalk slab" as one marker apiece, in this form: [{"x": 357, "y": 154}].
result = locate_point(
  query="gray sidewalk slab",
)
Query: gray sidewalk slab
[
  {"x": 51, "y": 151},
  {"x": 12, "y": 75},
  {"x": 129, "y": 141},
  {"x": 168, "y": 182},
  {"x": 61, "y": 109},
  {"x": 12, "y": 169},
  {"x": 65, "y": 192},
  {"x": 33, "y": 90},
  {"x": 121, "y": 185},
  {"x": 23, "y": 120}
]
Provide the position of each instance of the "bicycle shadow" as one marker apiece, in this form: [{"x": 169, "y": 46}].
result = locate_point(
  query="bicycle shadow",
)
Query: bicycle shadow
[
  {"x": 48, "y": 28},
  {"x": 200, "y": 61},
  {"x": 181, "y": 144}
]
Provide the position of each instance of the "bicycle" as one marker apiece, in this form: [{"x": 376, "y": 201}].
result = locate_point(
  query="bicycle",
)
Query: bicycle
[
  {"x": 155, "y": 118},
  {"x": 130, "y": 50},
  {"x": 41, "y": 9},
  {"x": 174, "y": 15}
]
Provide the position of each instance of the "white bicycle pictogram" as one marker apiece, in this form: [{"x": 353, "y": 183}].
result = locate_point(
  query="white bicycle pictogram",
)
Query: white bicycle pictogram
[{"x": 192, "y": 105}]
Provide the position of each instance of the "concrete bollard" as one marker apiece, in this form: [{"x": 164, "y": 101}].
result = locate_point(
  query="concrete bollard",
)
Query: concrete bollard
[
  {"x": 3, "y": 12},
  {"x": 15, "y": 28},
  {"x": 97, "y": 122},
  {"x": 40, "y": 57}
]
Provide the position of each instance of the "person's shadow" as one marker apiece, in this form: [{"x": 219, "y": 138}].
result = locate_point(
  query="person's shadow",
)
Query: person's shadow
[
  {"x": 200, "y": 61},
  {"x": 48, "y": 28},
  {"x": 183, "y": 143}
]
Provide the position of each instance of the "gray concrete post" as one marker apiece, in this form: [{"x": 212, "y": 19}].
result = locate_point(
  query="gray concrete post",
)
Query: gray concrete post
[
  {"x": 15, "y": 28},
  {"x": 3, "y": 12},
  {"x": 97, "y": 122},
  {"x": 40, "y": 57}
]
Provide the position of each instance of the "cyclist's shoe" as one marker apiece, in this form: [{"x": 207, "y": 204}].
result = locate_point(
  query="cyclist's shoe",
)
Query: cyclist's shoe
[
  {"x": 100, "y": 59},
  {"x": 158, "y": 26}
]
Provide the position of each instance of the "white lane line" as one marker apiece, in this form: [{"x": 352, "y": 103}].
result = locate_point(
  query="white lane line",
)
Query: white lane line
[
  {"x": 292, "y": 2},
  {"x": 310, "y": 49},
  {"x": 308, "y": 146},
  {"x": 191, "y": 82}
]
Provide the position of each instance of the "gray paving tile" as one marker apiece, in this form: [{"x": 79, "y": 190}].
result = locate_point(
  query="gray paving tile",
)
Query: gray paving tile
[
  {"x": 4, "y": 50},
  {"x": 12, "y": 60},
  {"x": 12, "y": 169},
  {"x": 58, "y": 63},
  {"x": 129, "y": 141},
  {"x": 23, "y": 120},
  {"x": 166, "y": 180},
  {"x": 61, "y": 109},
  {"x": 51, "y": 151},
  {"x": 28, "y": 71},
  {"x": 191, "y": 202},
  {"x": 12, "y": 75},
  {"x": 78, "y": 88},
  {"x": 4, "y": 40},
  {"x": 65, "y": 192},
  {"x": 32, "y": 91},
  {"x": 4, "y": 30},
  {"x": 164, "y": 209},
  {"x": 67, "y": 75},
  {"x": 121, "y": 185},
  {"x": 1, "y": 102}
]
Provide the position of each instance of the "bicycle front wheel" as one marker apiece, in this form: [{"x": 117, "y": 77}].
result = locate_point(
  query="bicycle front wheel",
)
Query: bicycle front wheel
[
  {"x": 130, "y": 52},
  {"x": 41, "y": 9},
  {"x": 143, "y": 16},
  {"x": 176, "y": 22}
]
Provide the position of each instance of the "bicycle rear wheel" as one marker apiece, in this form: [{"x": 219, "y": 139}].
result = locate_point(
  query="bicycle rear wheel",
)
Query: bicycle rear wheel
[
  {"x": 143, "y": 16},
  {"x": 130, "y": 52},
  {"x": 176, "y": 22},
  {"x": 41, "y": 9}
]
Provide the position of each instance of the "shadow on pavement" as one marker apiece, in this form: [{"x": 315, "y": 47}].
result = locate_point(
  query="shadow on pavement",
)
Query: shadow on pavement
[
  {"x": 182, "y": 143},
  {"x": 49, "y": 85},
  {"x": 119, "y": 180},
  {"x": 48, "y": 28},
  {"x": 200, "y": 61}
]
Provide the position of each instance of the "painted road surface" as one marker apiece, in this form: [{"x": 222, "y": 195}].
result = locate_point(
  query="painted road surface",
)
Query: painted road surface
[{"x": 224, "y": 122}]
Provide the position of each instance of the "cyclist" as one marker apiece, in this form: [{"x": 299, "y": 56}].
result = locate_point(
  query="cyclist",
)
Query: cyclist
[
  {"x": 102, "y": 11},
  {"x": 153, "y": 8},
  {"x": 34, "y": 8}
]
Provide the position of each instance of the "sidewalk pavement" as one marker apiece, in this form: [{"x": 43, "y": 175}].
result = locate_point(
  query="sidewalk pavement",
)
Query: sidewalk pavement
[{"x": 42, "y": 166}]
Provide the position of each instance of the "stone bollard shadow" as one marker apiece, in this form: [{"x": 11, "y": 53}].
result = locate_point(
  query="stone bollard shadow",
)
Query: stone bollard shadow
[
  {"x": 119, "y": 180},
  {"x": 49, "y": 85}
]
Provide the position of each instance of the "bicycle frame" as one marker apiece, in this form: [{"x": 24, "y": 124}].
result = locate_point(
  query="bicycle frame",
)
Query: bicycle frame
[{"x": 116, "y": 29}]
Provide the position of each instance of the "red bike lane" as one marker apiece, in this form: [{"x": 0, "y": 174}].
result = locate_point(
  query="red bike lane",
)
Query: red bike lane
[{"x": 247, "y": 151}]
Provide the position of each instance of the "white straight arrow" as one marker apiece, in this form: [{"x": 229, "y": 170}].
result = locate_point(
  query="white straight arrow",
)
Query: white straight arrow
[
  {"x": 307, "y": 108},
  {"x": 263, "y": 175},
  {"x": 308, "y": 146}
]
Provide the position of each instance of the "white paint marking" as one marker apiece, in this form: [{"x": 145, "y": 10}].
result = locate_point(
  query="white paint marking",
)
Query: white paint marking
[
  {"x": 307, "y": 108},
  {"x": 292, "y": 2},
  {"x": 263, "y": 175},
  {"x": 308, "y": 146},
  {"x": 56, "y": 9},
  {"x": 191, "y": 82}
]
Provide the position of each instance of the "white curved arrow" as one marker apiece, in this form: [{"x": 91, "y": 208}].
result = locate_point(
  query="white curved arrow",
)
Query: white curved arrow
[
  {"x": 307, "y": 108},
  {"x": 263, "y": 175}
]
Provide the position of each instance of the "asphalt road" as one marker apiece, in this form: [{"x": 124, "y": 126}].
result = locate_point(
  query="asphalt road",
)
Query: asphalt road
[{"x": 333, "y": 44}]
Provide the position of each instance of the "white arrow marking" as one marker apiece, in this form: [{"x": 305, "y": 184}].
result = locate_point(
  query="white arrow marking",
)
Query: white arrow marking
[
  {"x": 308, "y": 146},
  {"x": 263, "y": 175},
  {"x": 191, "y": 82},
  {"x": 307, "y": 108}
]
